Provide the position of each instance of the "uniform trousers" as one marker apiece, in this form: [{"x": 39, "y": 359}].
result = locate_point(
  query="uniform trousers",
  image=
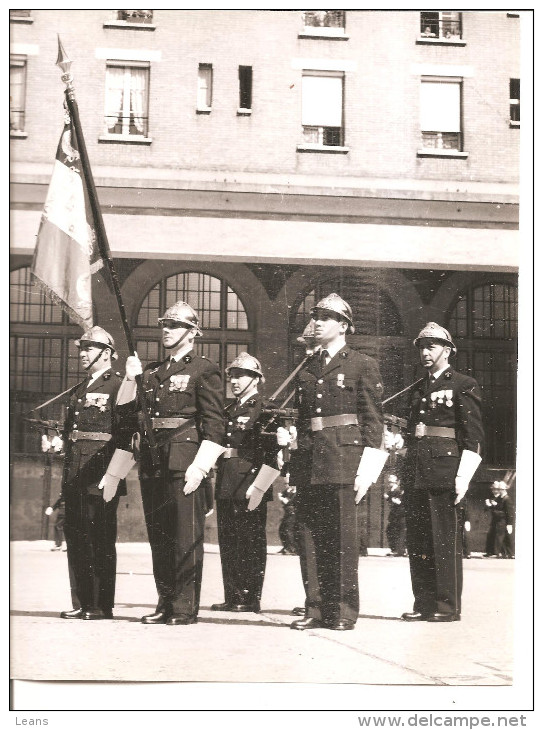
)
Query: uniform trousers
[
  {"x": 90, "y": 529},
  {"x": 242, "y": 543},
  {"x": 175, "y": 527},
  {"x": 434, "y": 544},
  {"x": 329, "y": 547}
]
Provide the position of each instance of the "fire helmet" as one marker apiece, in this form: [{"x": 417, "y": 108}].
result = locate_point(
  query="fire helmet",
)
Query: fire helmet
[
  {"x": 334, "y": 303},
  {"x": 182, "y": 312},
  {"x": 434, "y": 331},
  {"x": 244, "y": 361},
  {"x": 98, "y": 337}
]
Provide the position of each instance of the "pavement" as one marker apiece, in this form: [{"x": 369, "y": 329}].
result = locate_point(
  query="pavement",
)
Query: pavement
[{"x": 259, "y": 648}]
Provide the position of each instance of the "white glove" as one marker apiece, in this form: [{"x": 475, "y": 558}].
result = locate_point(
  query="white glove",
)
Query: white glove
[
  {"x": 109, "y": 484},
  {"x": 461, "y": 485},
  {"x": 396, "y": 500},
  {"x": 263, "y": 481},
  {"x": 205, "y": 459},
  {"x": 361, "y": 486},
  {"x": 488, "y": 503},
  {"x": 57, "y": 444},
  {"x": 120, "y": 464},
  {"x": 469, "y": 461},
  {"x": 133, "y": 367},
  {"x": 467, "y": 526},
  {"x": 398, "y": 441},
  {"x": 49, "y": 511},
  {"x": 45, "y": 444},
  {"x": 287, "y": 438},
  {"x": 280, "y": 459},
  {"x": 193, "y": 478},
  {"x": 509, "y": 529}
]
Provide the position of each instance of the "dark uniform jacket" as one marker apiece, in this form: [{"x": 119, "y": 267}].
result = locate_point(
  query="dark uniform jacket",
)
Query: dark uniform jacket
[
  {"x": 349, "y": 384},
  {"x": 190, "y": 388},
  {"x": 92, "y": 410},
  {"x": 453, "y": 401},
  {"x": 243, "y": 433}
]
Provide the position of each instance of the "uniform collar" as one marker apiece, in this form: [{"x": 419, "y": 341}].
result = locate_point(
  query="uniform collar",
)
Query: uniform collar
[{"x": 97, "y": 374}]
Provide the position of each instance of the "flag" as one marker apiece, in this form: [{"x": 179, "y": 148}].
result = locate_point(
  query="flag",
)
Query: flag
[{"x": 66, "y": 253}]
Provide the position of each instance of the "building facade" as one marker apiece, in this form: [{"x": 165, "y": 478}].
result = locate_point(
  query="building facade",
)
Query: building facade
[{"x": 252, "y": 161}]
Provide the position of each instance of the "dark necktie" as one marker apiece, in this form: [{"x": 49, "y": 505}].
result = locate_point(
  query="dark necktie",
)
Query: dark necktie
[{"x": 324, "y": 356}]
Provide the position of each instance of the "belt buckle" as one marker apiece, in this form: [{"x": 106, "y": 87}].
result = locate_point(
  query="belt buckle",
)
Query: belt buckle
[
  {"x": 420, "y": 430},
  {"x": 316, "y": 423}
]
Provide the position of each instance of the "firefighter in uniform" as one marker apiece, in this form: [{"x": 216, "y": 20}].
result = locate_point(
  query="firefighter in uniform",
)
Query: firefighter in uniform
[
  {"x": 242, "y": 532},
  {"x": 339, "y": 433},
  {"x": 91, "y": 433},
  {"x": 501, "y": 526},
  {"x": 444, "y": 443},
  {"x": 183, "y": 397}
]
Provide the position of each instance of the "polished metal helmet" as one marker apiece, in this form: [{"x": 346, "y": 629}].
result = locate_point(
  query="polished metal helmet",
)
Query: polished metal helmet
[
  {"x": 244, "y": 361},
  {"x": 434, "y": 331},
  {"x": 98, "y": 337},
  {"x": 182, "y": 312},
  {"x": 334, "y": 303}
]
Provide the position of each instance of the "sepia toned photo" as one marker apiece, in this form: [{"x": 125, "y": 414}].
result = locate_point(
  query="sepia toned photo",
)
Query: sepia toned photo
[{"x": 264, "y": 331}]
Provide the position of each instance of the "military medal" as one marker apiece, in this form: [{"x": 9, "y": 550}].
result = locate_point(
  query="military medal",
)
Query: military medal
[
  {"x": 433, "y": 397},
  {"x": 178, "y": 383},
  {"x": 448, "y": 396},
  {"x": 340, "y": 379}
]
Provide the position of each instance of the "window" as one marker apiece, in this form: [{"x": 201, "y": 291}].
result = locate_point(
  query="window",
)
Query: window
[
  {"x": 322, "y": 109},
  {"x": 484, "y": 327},
  {"x": 43, "y": 357},
  {"x": 514, "y": 102},
  {"x": 441, "y": 24},
  {"x": 135, "y": 16},
  {"x": 20, "y": 16},
  {"x": 245, "y": 75},
  {"x": 127, "y": 98},
  {"x": 222, "y": 316},
  {"x": 205, "y": 87},
  {"x": 440, "y": 115},
  {"x": 17, "y": 90},
  {"x": 323, "y": 23}
]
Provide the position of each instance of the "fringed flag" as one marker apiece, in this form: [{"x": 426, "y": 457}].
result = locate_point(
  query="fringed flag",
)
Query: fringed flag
[{"x": 66, "y": 253}]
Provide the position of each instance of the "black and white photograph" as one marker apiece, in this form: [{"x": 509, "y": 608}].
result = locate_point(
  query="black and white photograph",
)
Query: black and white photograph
[{"x": 269, "y": 300}]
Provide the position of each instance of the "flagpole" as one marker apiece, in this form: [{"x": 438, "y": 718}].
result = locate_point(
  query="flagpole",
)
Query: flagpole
[{"x": 65, "y": 64}]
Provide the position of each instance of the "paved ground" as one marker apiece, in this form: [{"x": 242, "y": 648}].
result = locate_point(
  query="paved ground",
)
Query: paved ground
[{"x": 382, "y": 650}]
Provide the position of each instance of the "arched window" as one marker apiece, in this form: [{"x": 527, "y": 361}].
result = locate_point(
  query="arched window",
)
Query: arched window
[
  {"x": 484, "y": 325},
  {"x": 41, "y": 364},
  {"x": 378, "y": 324},
  {"x": 222, "y": 316}
]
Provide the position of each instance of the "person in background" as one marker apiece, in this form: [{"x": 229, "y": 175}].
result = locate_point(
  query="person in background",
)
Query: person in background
[
  {"x": 395, "y": 529},
  {"x": 498, "y": 542},
  {"x": 58, "y": 525},
  {"x": 287, "y": 526}
]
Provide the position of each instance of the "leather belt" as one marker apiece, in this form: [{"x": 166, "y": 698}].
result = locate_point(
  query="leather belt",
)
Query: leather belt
[
  {"x": 168, "y": 422},
  {"x": 89, "y": 436},
  {"x": 230, "y": 454},
  {"x": 421, "y": 430},
  {"x": 345, "y": 419}
]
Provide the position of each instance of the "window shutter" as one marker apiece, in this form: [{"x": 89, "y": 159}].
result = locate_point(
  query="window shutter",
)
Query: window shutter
[
  {"x": 322, "y": 101},
  {"x": 440, "y": 106}
]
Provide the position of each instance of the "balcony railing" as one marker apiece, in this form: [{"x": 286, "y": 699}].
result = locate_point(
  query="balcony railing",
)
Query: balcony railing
[
  {"x": 324, "y": 18},
  {"x": 323, "y": 136},
  {"x": 135, "y": 16},
  {"x": 442, "y": 140},
  {"x": 434, "y": 26},
  {"x": 16, "y": 120},
  {"x": 125, "y": 125}
]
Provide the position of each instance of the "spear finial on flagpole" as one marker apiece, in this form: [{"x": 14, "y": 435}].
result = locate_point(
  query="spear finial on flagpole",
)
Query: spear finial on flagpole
[{"x": 64, "y": 63}]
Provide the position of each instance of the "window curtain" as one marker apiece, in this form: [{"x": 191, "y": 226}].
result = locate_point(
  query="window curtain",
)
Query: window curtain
[
  {"x": 322, "y": 101},
  {"x": 440, "y": 106},
  {"x": 138, "y": 88},
  {"x": 114, "y": 96}
]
